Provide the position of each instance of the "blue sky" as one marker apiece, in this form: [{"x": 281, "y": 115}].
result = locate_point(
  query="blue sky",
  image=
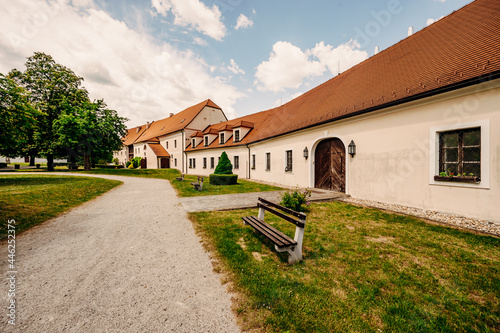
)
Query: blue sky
[{"x": 151, "y": 57}]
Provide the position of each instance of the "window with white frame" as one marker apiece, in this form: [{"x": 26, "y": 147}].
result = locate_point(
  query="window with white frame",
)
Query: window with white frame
[
  {"x": 460, "y": 155},
  {"x": 194, "y": 163},
  {"x": 193, "y": 143},
  {"x": 175, "y": 162},
  {"x": 268, "y": 161},
  {"x": 206, "y": 141},
  {"x": 460, "y": 152},
  {"x": 166, "y": 144},
  {"x": 253, "y": 161},
  {"x": 288, "y": 161},
  {"x": 236, "y": 162},
  {"x": 221, "y": 138},
  {"x": 190, "y": 163},
  {"x": 236, "y": 135},
  {"x": 204, "y": 162},
  {"x": 175, "y": 143},
  {"x": 212, "y": 162}
]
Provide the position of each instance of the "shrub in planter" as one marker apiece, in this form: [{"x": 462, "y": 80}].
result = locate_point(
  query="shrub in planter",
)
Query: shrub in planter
[{"x": 223, "y": 179}]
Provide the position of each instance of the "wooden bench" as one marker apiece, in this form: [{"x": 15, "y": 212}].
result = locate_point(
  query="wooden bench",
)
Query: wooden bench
[
  {"x": 198, "y": 185},
  {"x": 282, "y": 243},
  {"x": 181, "y": 178}
]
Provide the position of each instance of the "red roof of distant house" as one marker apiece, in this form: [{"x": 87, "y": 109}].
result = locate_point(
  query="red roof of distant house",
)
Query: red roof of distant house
[
  {"x": 455, "y": 51},
  {"x": 174, "y": 123},
  {"x": 158, "y": 150}
]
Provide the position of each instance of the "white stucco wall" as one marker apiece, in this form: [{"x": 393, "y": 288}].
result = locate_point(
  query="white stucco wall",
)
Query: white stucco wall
[
  {"x": 207, "y": 116},
  {"x": 242, "y": 152},
  {"x": 394, "y": 162}
]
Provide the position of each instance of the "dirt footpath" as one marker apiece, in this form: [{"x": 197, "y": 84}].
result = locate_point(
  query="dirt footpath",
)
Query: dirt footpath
[{"x": 128, "y": 261}]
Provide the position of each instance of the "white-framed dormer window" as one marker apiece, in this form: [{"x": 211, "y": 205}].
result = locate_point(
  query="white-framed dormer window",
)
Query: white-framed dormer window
[
  {"x": 288, "y": 161},
  {"x": 206, "y": 141},
  {"x": 193, "y": 143},
  {"x": 459, "y": 155},
  {"x": 236, "y": 135},
  {"x": 221, "y": 136}
]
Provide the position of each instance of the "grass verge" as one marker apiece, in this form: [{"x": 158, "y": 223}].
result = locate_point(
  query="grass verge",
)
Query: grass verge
[
  {"x": 364, "y": 271},
  {"x": 33, "y": 199}
]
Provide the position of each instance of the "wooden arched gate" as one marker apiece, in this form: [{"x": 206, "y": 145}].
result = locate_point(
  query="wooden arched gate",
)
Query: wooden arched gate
[{"x": 329, "y": 165}]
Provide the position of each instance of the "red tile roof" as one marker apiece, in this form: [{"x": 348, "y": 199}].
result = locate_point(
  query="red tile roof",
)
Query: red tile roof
[
  {"x": 175, "y": 123},
  {"x": 158, "y": 150},
  {"x": 453, "y": 52},
  {"x": 133, "y": 134}
]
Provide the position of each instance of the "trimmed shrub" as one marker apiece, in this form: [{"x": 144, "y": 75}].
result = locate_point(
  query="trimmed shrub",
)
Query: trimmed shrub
[
  {"x": 223, "y": 179},
  {"x": 107, "y": 166},
  {"x": 127, "y": 164},
  {"x": 224, "y": 167}
]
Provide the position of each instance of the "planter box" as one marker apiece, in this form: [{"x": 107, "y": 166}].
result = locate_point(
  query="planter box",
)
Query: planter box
[{"x": 457, "y": 179}]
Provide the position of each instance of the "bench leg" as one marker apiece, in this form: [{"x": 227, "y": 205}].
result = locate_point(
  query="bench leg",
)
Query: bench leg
[{"x": 294, "y": 254}]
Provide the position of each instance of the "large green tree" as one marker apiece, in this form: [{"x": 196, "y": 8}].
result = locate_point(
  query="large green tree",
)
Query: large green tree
[
  {"x": 67, "y": 124},
  {"x": 52, "y": 88},
  {"x": 17, "y": 118},
  {"x": 89, "y": 130}
]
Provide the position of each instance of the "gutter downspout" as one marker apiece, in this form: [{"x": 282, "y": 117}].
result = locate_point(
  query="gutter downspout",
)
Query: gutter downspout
[
  {"x": 249, "y": 162},
  {"x": 183, "y": 152}
]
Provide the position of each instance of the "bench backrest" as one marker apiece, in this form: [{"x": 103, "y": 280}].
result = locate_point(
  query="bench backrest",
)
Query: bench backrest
[{"x": 268, "y": 205}]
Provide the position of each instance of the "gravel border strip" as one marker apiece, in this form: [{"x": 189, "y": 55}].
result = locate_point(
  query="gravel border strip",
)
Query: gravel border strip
[{"x": 482, "y": 226}]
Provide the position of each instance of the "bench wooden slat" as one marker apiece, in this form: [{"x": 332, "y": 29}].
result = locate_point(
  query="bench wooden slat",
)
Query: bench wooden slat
[
  {"x": 277, "y": 237},
  {"x": 283, "y": 216},
  {"x": 300, "y": 215}
]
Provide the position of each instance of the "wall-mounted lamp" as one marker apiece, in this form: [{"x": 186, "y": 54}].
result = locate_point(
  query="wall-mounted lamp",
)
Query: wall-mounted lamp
[
  {"x": 352, "y": 148},
  {"x": 306, "y": 153}
]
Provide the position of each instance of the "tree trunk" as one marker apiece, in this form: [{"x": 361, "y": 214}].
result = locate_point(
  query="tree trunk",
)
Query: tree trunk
[
  {"x": 50, "y": 162},
  {"x": 86, "y": 162},
  {"x": 32, "y": 160}
]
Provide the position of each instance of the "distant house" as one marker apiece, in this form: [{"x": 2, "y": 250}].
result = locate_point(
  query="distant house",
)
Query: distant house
[
  {"x": 161, "y": 144},
  {"x": 387, "y": 128}
]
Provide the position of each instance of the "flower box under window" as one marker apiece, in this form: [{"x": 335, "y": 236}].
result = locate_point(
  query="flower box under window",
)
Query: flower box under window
[{"x": 457, "y": 179}]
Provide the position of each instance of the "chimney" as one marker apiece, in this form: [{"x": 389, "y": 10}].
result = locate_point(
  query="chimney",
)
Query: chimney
[
  {"x": 410, "y": 31},
  {"x": 137, "y": 129},
  {"x": 171, "y": 114},
  {"x": 377, "y": 50},
  {"x": 147, "y": 124}
]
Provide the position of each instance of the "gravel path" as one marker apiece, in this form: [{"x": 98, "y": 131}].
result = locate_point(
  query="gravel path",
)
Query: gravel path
[{"x": 128, "y": 261}]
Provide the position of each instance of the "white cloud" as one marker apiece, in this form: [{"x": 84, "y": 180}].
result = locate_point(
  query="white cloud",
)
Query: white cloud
[
  {"x": 193, "y": 13},
  {"x": 142, "y": 80},
  {"x": 346, "y": 55},
  {"x": 288, "y": 66},
  {"x": 200, "y": 41},
  {"x": 235, "y": 68},
  {"x": 431, "y": 20},
  {"x": 243, "y": 22}
]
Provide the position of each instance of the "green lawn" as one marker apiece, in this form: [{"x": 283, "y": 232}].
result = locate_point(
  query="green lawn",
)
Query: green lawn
[
  {"x": 33, "y": 199},
  {"x": 364, "y": 271},
  {"x": 185, "y": 189}
]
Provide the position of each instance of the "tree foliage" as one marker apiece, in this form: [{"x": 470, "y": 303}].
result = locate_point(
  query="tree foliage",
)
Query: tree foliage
[
  {"x": 67, "y": 123},
  {"x": 224, "y": 167},
  {"x": 17, "y": 118}
]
